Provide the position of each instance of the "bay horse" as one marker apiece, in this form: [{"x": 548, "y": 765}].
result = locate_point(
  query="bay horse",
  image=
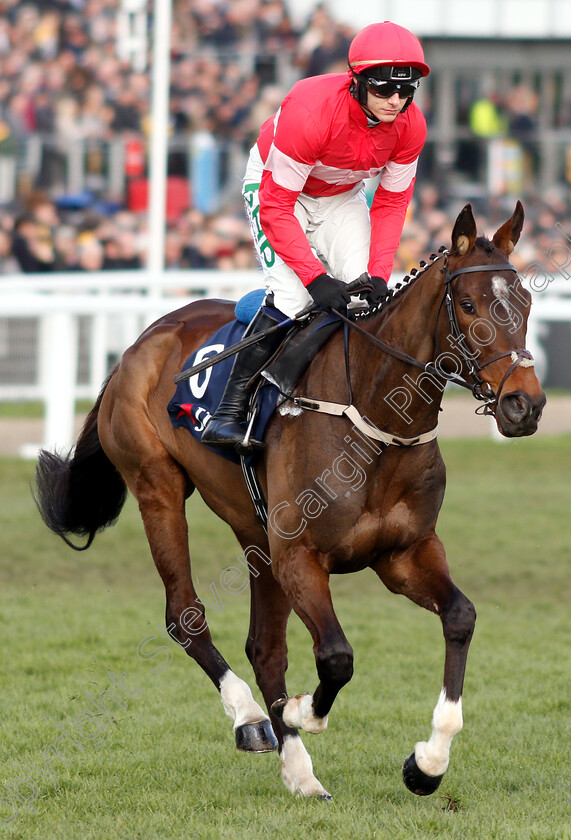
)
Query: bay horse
[{"x": 337, "y": 502}]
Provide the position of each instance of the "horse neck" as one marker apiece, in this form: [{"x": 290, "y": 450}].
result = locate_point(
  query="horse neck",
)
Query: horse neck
[{"x": 396, "y": 396}]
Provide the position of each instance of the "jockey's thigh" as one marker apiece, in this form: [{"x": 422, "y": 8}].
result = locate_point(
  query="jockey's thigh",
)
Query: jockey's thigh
[
  {"x": 339, "y": 230},
  {"x": 290, "y": 295}
]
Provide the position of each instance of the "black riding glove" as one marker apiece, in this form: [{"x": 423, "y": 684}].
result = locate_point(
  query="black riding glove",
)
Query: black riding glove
[
  {"x": 329, "y": 293},
  {"x": 378, "y": 294}
]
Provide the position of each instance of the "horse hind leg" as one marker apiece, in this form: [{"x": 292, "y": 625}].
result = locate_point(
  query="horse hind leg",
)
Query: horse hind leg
[
  {"x": 161, "y": 488},
  {"x": 266, "y": 649},
  {"x": 421, "y": 573}
]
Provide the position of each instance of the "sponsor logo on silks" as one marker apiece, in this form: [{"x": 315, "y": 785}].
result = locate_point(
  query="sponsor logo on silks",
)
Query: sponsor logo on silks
[
  {"x": 267, "y": 253},
  {"x": 200, "y": 418}
]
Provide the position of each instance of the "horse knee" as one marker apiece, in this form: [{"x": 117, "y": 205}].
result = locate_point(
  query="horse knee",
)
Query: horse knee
[
  {"x": 335, "y": 662},
  {"x": 459, "y": 620}
]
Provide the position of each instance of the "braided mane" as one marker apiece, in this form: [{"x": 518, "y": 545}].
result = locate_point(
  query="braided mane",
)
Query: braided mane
[{"x": 400, "y": 288}]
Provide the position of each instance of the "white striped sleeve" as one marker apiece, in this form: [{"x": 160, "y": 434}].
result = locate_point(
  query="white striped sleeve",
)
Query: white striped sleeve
[
  {"x": 397, "y": 177},
  {"x": 287, "y": 172}
]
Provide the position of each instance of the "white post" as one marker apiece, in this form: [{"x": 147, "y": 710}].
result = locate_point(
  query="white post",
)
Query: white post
[
  {"x": 61, "y": 346},
  {"x": 159, "y": 139},
  {"x": 98, "y": 352}
]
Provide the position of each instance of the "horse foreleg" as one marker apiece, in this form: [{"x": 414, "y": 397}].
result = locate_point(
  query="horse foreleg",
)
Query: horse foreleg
[
  {"x": 160, "y": 490},
  {"x": 307, "y": 585},
  {"x": 421, "y": 573},
  {"x": 266, "y": 648}
]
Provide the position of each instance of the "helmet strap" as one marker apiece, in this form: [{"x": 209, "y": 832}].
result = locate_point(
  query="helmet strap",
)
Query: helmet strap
[{"x": 358, "y": 90}]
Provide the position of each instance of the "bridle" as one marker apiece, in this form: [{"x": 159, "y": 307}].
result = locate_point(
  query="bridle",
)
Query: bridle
[{"x": 479, "y": 388}]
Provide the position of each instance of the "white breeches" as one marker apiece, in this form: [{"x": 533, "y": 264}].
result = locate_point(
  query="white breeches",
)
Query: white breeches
[{"x": 337, "y": 228}]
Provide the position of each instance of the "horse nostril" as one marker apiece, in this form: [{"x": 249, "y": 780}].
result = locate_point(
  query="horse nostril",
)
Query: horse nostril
[
  {"x": 538, "y": 406},
  {"x": 516, "y": 407}
]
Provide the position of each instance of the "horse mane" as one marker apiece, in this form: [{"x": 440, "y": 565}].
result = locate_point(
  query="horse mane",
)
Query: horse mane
[{"x": 400, "y": 289}]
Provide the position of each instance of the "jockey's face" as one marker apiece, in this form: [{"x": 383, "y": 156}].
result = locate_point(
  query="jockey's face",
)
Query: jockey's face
[{"x": 385, "y": 110}]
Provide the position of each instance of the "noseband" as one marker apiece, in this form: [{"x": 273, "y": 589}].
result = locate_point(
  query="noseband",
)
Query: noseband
[{"x": 480, "y": 389}]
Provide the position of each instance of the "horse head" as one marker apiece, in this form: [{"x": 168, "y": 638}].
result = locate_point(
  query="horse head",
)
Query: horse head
[{"x": 488, "y": 309}]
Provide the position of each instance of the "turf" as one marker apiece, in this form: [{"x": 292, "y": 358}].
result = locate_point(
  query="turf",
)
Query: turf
[
  {"x": 34, "y": 410},
  {"x": 167, "y": 768}
]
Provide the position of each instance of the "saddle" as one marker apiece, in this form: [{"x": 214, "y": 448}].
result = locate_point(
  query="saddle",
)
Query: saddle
[
  {"x": 300, "y": 346},
  {"x": 198, "y": 396}
]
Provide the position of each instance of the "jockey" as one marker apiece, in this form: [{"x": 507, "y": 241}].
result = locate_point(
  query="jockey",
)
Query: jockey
[{"x": 304, "y": 194}]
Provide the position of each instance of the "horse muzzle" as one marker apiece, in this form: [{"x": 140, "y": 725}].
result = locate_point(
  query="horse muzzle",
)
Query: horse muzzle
[{"x": 518, "y": 413}]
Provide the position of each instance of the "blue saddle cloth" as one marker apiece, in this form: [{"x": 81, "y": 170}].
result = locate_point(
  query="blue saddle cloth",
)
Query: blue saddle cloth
[{"x": 197, "y": 398}]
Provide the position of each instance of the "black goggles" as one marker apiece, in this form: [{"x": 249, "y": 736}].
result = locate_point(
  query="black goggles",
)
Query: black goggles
[{"x": 384, "y": 90}]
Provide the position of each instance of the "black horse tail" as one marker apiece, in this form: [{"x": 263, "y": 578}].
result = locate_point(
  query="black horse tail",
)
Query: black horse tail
[{"x": 81, "y": 493}]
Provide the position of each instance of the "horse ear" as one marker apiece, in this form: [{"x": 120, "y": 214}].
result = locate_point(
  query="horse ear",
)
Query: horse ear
[
  {"x": 464, "y": 233},
  {"x": 506, "y": 237}
]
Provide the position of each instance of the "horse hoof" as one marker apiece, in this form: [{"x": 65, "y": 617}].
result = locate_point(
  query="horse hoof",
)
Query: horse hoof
[
  {"x": 417, "y": 781},
  {"x": 256, "y": 737}
]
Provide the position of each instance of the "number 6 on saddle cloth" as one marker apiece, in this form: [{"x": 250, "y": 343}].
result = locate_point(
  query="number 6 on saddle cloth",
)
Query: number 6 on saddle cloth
[{"x": 197, "y": 396}]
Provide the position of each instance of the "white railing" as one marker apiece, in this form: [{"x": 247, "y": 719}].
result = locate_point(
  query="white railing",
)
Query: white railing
[{"x": 117, "y": 306}]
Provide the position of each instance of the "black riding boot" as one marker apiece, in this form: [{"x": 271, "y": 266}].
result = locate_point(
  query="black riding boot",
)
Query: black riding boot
[{"x": 227, "y": 426}]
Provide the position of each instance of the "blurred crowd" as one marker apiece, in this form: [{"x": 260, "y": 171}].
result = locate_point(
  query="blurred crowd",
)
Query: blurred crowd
[
  {"x": 62, "y": 77},
  {"x": 430, "y": 223},
  {"x": 40, "y": 239}
]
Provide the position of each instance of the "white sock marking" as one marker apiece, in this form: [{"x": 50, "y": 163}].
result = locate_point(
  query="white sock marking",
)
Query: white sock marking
[
  {"x": 433, "y": 756},
  {"x": 297, "y": 768},
  {"x": 298, "y": 713},
  {"x": 238, "y": 701}
]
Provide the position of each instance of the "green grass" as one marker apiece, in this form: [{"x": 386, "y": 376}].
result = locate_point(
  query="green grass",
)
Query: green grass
[
  {"x": 168, "y": 768},
  {"x": 34, "y": 410}
]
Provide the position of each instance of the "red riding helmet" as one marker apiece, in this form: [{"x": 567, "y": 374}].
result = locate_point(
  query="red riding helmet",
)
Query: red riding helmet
[
  {"x": 386, "y": 44},
  {"x": 385, "y": 52}
]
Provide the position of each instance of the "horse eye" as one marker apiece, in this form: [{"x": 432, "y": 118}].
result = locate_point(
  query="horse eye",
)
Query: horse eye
[{"x": 468, "y": 307}]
